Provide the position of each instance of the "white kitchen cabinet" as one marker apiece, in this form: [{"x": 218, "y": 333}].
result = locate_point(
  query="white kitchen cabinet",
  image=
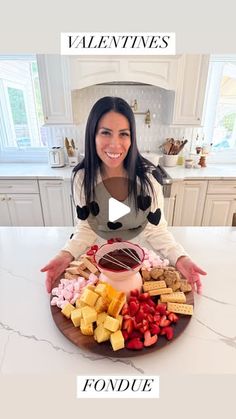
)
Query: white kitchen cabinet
[
  {"x": 20, "y": 210},
  {"x": 219, "y": 210},
  {"x": 54, "y": 77},
  {"x": 5, "y": 219},
  {"x": 220, "y": 206},
  {"x": 156, "y": 70},
  {"x": 189, "y": 203},
  {"x": 20, "y": 203},
  {"x": 190, "y": 89},
  {"x": 56, "y": 202}
]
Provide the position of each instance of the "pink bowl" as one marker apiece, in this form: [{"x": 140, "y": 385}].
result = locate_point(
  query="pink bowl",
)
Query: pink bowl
[{"x": 122, "y": 279}]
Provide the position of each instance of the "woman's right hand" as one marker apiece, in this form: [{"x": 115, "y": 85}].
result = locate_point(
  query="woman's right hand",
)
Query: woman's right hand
[{"x": 56, "y": 267}]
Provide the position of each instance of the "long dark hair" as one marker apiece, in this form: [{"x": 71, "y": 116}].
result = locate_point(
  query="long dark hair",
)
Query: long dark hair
[{"x": 134, "y": 163}]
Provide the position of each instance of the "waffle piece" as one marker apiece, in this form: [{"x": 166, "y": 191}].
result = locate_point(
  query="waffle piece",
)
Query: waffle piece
[{"x": 116, "y": 304}]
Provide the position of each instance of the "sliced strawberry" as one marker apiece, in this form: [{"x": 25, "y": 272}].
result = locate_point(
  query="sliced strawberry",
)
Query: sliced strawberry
[
  {"x": 140, "y": 315},
  {"x": 161, "y": 308},
  {"x": 164, "y": 321},
  {"x": 94, "y": 247},
  {"x": 144, "y": 296},
  {"x": 136, "y": 334},
  {"x": 130, "y": 326},
  {"x": 125, "y": 309},
  {"x": 126, "y": 316},
  {"x": 134, "y": 293},
  {"x": 173, "y": 318},
  {"x": 110, "y": 241},
  {"x": 155, "y": 329},
  {"x": 90, "y": 252},
  {"x": 151, "y": 302},
  {"x": 157, "y": 318},
  {"x": 148, "y": 339},
  {"x": 150, "y": 318},
  {"x": 168, "y": 332},
  {"x": 134, "y": 343},
  {"x": 125, "y": 334}
]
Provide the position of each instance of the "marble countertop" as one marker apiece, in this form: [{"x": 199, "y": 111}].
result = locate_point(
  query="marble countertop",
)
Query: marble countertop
[
  {"x": 211, "y": 172},
  {"x": 44, "y": 171},
  {"x": 31, "y": 343}
]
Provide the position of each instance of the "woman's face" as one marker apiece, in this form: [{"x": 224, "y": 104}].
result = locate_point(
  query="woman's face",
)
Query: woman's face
[{"x": 113, "y": 139}]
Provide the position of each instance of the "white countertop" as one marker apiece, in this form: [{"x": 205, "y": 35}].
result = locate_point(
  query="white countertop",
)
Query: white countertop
[
  {"x": 212, "y": 171},
  {"x": 44, "y": 171},
  {"x": 28, "y": 332},
  {"x": 34, "y": 171}
]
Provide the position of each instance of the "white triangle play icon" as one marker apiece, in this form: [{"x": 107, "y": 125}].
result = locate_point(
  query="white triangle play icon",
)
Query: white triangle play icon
[{"x": 117, "y": 210}]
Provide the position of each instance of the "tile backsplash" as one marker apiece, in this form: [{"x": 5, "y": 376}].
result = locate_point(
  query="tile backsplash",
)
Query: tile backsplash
[{"x": 159, "y": 101}]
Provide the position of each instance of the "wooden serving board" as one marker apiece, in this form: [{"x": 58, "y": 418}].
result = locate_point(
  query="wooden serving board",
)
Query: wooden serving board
[{"x": 105, "y": 349}]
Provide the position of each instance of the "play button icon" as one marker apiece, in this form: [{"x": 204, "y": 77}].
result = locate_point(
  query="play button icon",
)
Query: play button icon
[
  {"x": 117, "y": 210},
  {"x": 111, "y": 212}
]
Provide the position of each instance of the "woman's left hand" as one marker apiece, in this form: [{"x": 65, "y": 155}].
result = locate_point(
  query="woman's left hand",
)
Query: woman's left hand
[{"x": 191, "y": 272}]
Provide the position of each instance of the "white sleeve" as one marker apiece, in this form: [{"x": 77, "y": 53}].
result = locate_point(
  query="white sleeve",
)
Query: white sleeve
[
  {"x": 158, "y": 236},
  {"x": 83, "y": 236}
]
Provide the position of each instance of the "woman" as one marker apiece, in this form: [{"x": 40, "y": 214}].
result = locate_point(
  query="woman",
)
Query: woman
[{"x": 111, "y": 156}]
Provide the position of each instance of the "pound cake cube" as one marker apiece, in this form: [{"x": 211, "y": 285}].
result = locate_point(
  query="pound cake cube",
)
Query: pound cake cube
[
  {"x": 101, "y": 318},
  {"x": 111, "y": 324},
  {"x": 116, "y": 304},
  {"x": 117, "y": 340},
  {"x": 101, "y": 289},
  {"x": 79, "y": 303},
  {"x": 89, "y": 315},
  {"x": 101, "y": 334},
  {"x": 89, "y": 297},
  {"x": 76, "y": 316},
  {"x": 101, "y": 304},
  {"x": 120, "y": 319},
  {"x": 86, "y": 329},
  {"x": 67, "y": 310}
]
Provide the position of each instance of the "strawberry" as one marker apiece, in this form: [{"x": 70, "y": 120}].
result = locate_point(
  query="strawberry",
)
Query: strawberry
[
  {"x": 157, "y": 318},
  {"x": 134, "y": 293},
  {"x": 135, "y": 299},
  {"x": 164, "y": 321},
  {"x": 150, "y": 318},
  {"x": 148, "y": 339},
  {"x": 118, "y": 239},
  {"x": 155, "y": 329},
  {"x": 140, "y": 315},
  {"x": 144, "y": 296},
  {"x": 173, "y": 318},
  {"x": 110, "y": 241},
  {"x": 129, "y": 326},
  {"x": 135, "y": 344},
  {"x": 94, "y": 247},
  {"x": 150, "y": 302},
  {"x": 136, "y": 334},
  {"x": 90, "y": 252},
  {"x": 168, "y": 332},
  {"x": 125, "y": 309},
  {"x": 161, "y": 308},
  {"x": 125, "y": 334}
]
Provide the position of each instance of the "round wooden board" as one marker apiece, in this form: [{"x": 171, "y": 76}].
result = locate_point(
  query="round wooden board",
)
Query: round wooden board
[{"x": 105, "y": 349}]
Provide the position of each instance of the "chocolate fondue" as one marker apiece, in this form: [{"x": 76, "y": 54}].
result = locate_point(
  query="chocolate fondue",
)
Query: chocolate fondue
[{"x": 119, "y": 256}]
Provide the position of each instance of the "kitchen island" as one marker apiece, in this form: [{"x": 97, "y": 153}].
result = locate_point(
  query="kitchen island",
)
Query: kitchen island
[{"x": 207, "y": 346}]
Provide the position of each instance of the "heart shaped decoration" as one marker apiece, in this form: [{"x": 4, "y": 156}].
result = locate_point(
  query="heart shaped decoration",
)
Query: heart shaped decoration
[
  {"x": 154, "y": 217},
  {"x": 144, "y": 202},
  {"x": 82, "y": 212},
  {"x": 114, "y": 226},
  {"x": 94, "y": 208}
]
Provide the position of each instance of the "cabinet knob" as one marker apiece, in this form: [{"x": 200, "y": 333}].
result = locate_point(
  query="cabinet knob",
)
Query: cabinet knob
[
  {"x": 9, "y": 198},
  {"x": 3, "y": 199}
]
